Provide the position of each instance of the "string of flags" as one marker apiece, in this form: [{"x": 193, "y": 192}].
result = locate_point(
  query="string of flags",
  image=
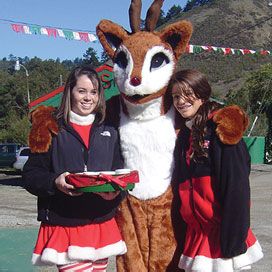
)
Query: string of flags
[
  {"x": 89, "y": 37},
  {"x": 54, "y": 32},
  {"x": 196, "y": 49}
]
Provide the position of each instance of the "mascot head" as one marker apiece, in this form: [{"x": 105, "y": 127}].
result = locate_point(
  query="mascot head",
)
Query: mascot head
[{"x": 144, "y": 60}]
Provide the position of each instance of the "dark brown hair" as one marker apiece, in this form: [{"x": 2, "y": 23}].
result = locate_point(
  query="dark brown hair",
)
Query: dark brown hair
[
  {"x": 194, "y": 82},
  {"x": 65, "y": 106}
]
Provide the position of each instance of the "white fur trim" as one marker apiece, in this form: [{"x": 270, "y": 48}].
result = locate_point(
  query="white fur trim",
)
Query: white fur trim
[
  {"x": 241, "y": 262},
  {"x": 81, "y": 120},
  {"x": 51, "y": 257},
  {"x": 148, "y": 146},
  {"x": 152, "y": 81},
  {"x": 252, "y": 255},
  {"x": 146, "y": 111}
]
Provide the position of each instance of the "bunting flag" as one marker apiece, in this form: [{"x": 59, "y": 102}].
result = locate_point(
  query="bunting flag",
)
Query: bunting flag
[
  {"x": 89, "y": 37},
  {"x": 54, "y": 32},
  {"x": 196, "y": 49}
]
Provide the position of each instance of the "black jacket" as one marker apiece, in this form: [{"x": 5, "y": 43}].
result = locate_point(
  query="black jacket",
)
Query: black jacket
[
  {"x": 229, "y": 167},
  {"x": 68, "y": 153}
]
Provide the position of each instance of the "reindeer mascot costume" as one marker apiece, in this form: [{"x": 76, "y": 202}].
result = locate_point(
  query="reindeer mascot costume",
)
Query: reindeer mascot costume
[{"x": 144, "y": 62}]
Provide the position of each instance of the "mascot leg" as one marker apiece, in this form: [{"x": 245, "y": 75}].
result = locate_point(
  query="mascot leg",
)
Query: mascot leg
[
  {"x": 146, "y": 227},
  {"x": 131, "y": 219},
  {"x": 164, "y": 253}
]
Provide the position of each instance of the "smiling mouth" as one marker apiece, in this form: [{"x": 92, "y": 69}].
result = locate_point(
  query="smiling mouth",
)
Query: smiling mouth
[
  {"x": 86, "y": 106},
  {"x": 137, "y": 98}
]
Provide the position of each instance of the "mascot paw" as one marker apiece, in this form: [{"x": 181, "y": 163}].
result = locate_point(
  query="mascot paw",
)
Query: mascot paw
[
  {"x": 231, "y": 122},
  {"x": 43, "y": 126}
]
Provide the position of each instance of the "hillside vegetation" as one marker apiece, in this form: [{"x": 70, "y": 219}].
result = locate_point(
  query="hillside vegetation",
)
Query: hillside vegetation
[{"x": 235, "y": 24}]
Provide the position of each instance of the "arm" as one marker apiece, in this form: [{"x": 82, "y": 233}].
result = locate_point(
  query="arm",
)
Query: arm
[
  {"x": 38, "y": 179},
  {"x": 234, "y": 192}
]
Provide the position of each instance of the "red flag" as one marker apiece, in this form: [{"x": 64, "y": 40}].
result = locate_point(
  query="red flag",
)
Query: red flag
[
  {"x": 51, "y": 32},
  {"x": 84, "y": 36},
  {"x": 17, "y": 28}
]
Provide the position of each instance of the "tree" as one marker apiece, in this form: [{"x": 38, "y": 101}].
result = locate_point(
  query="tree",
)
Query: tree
[
  {"x": 17, "y": 129},
  {"x": 256, "y": 97},
  {"x": 161, "y": 19},
  {"x": 195, "y": 3},
  {"x": 173, "y": 12},
  {"x": 104, "y": 57},
  {"x": 90, "y": 57},
  {"x": 160, "y": 22}
]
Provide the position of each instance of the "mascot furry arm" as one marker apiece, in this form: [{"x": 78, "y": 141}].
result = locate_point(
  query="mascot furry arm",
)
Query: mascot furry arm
[{"x": 44, "y": 126}]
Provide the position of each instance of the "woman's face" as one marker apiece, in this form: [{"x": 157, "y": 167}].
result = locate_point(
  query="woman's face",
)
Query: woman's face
[
  {"x": 84, "y": 96},
  {"x": 186, "y": 105}
]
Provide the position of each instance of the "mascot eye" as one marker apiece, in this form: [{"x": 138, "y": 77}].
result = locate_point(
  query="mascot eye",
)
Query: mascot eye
[
  {"x": 121, "y": 60},
  {"x": 158, "y": 61}
]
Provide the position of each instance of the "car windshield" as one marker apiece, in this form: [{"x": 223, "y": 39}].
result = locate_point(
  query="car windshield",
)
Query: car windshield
[{"x": 25, "y": 152}]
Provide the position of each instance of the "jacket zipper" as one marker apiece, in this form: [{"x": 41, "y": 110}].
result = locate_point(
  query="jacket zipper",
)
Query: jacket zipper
[
  {"x": 47, "y": 214},
  {"x": 85, "y": 158}
]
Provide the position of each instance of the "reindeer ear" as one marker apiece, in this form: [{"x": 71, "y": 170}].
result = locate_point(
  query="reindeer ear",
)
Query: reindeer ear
[
  {"x": 110, "y": 35},
  {"x": 177, "y": 35}
]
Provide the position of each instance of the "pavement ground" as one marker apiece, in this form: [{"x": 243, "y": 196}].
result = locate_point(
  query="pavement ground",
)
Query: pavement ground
[{"x": 18, "y": 225}]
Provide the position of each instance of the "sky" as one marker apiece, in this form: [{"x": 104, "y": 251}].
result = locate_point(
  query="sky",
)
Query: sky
[{"x": 80, "y": 15}]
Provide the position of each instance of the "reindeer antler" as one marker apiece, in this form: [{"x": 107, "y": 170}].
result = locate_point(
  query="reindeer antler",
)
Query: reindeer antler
[
  {"x": 135, "y": 15},
  {"x": 153, "y": 15}
]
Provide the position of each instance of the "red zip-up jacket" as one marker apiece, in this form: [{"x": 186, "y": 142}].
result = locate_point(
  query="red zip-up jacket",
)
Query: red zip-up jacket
[{"x": 216, "y": 190}]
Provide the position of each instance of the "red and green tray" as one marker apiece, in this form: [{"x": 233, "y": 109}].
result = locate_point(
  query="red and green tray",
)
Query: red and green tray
[{"x": 103, "y": 182}]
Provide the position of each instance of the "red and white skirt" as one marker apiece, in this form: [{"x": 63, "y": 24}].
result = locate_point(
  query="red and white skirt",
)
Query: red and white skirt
[
  {"x": 202, "y": 253},
  {"x": 58, "y": 245}
]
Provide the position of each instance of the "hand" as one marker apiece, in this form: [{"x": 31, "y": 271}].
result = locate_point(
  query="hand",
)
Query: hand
[
  {"x": 109, "y": 195},
  {"x": 65, "y": 187}
]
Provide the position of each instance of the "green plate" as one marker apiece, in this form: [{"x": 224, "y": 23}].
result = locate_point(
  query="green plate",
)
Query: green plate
[{"x": 108, "y": 187}]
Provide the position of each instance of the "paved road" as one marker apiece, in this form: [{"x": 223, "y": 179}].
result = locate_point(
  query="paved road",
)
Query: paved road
[{"x": 18, "y": 225}]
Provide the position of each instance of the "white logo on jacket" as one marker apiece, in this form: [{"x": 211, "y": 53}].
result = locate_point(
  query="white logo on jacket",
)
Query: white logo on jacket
[{"x": 105, "y": 133}]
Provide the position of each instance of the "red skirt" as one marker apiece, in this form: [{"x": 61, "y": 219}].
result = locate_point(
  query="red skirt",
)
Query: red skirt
[
  {"x": 58, "y": 245},
  {"x": 202, "y": 250}
]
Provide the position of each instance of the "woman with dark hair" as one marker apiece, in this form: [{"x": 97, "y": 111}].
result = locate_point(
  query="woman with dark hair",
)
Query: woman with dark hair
[
  {"x": 78, "y": 230},
  {"x": 213, "y": 184}
]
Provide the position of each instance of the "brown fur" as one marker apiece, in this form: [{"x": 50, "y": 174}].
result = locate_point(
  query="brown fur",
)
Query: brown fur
[
  {"x": 135, "y": 15},
  {"x": 106, "y": 27},
  {"x": 177, "y": 35},
  {"x": 146, "y": 223},
  {"x": 153, "y": 15},
  {"x": 43, "y": 126},
  {"x": 231, "y": 123}
]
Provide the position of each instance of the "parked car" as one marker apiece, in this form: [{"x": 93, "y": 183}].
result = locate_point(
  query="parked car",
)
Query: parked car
[
  {"x": 8, "y": 153},
  {"x": 21, "y": 158}
]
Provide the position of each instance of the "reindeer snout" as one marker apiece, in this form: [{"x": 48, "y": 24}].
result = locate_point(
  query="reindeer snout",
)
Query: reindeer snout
[{"x": 135, "y": 81}]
